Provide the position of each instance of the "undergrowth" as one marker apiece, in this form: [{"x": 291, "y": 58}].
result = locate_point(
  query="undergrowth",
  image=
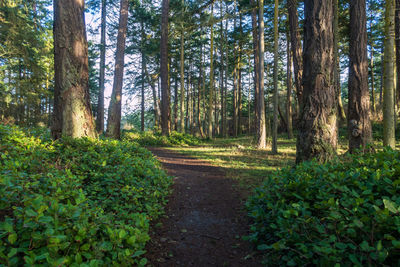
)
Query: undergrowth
[
  {"x": 151, "y": 138},
  {"x": 342, "y": 213},
  {"x": 76, "y": 202}
]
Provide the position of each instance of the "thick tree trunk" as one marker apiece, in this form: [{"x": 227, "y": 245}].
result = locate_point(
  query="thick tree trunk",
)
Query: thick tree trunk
[
  {"x": 72, "y": 114},
  {"x": 317, "y": 136},
  {"x": 289, "y": 90},
  {"x": 388, "y": 90},
  {"x": 261, "y": 127},
  {"x": 100, "y": 100},
  {"x": 114, "y": 111},
  {"x": 359, "y": 124},
  {"x": 256, "y": 54},
  {"x": 165, "y": 105},
  {"x": 275, "y": 102},
  {"x": 296, "y": 50}
]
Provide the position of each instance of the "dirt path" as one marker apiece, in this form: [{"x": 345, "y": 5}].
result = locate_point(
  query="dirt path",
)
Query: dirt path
[{"x": 205, "y": 220}]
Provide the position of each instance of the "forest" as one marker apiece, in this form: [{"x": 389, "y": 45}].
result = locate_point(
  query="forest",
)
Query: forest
[{"x": 199, "y": 133}]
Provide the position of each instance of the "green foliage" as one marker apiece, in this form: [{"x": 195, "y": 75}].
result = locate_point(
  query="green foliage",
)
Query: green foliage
[
  {"x": 156, "y": 139},
  {"x": 343, "y": 212},
  {"x": 75, "y": 202}
]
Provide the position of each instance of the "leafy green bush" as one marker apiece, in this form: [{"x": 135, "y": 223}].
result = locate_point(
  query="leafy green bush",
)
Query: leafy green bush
[
  {"x": 344, "y": 212},
  {"x": 76, "y": 202},
  {"x": 156, "y": 139}
]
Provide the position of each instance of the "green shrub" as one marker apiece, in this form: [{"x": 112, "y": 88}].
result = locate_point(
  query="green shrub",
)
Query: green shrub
[
  {"x": 156, "y": 139},
  {"x": 344, "y": 212},
  {"x": 76, "y": 202}
]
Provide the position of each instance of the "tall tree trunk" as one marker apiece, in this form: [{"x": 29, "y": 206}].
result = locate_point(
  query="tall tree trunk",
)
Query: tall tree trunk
[
  {"x": 235, "y": 82},
  {"x": 276, "y": 100},
  {"x": 143, "y": 75},
  {"x": 256, "y": 54},
  {"x": 156, "y": 101},
  {"x": 201, "y": 93},
  {"x": 261, "y": 127},
  {"x": 289, "y": 89},
  {"x": 373, "y": 98},
  {"x": 114, "y": 111},
  {"x": 240, "y": 84},
  {"x": 397, "y": 36},
  {"x": 226, "y": 127},
  {"x": 342, "y": 114},
  {"x": 221, "y": 70},
  {"x": 359, "y": 124},
  {"x": 296, "y": 51},
  {"x": 182, "y": 65},
  {"x": 211, "y": 93},
  {"x": 165, "y": 105},
  {"x": 72, "y": 114},
  {"x": 317, "y": 136},
  {"x": 176, "y": 127},
  {"x": 388, "y": 90},
  {"x": 100, "y": 100}
]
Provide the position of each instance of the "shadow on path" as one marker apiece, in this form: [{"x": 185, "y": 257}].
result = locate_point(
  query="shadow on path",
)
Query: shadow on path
[{"x": 205, "y": 220}]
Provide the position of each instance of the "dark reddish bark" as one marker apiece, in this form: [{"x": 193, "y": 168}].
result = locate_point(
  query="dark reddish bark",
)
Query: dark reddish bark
[
  {"x": 114, "y": 111},
  {"x": 317, "y": 136},
  {"x": 72, "y": 115},
  {"x": 296, "y": 49},
  {"x": 359, "y": 124},
  {"x": 165, "y": 107}
]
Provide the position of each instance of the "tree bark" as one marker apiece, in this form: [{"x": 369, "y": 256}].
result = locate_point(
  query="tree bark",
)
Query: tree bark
[
  {"x": 72, "y": 115},
  {"x": 388, "y": 90},
  {"x": 296, "y": 50},
  {"x": 289, "y": 89},
  {"x": 397, "y": 36},
  {"x": 114, "y": 111},
  {"x": 261, "y": 127},
  {"x": 317, "y": 136},
  {"x": 182, "y": 93},
  {"x": 275, "y": 102},
  {"x": 211, "y": 92},
  {"x": 165, "y": 105},
  {"x": 359, "y": 124},
  {"x": 256, "y": 54},
  {"x": 373, "y": 98},
  {"x": 100, "y": 100},
  {"x": 221, "y": 70}
]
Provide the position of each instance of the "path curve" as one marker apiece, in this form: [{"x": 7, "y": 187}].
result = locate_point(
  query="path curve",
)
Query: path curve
[{"x": 205, "y": 218}]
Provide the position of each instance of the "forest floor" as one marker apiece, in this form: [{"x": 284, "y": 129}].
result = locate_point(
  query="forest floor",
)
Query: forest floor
[{"x": 205, "y": 218}]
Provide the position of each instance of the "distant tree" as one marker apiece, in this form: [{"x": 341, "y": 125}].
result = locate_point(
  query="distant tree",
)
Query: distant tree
[
  {"x": 72, "y": 113},
  {"x": 276, "y": 99},
  {"x": 317, "y": 137},
  {"x": 359, "y": 124},
  {"x": 100, "y": 100},
  {"x": 114, "y": 110}
]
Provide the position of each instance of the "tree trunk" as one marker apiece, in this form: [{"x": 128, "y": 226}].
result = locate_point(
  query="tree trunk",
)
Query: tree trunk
[
  {"x": 373, "y": 80},
  {"x": 165, "y": 105},
  {"x": 388, "y": 90},
  {"x": 359, "y": 124},
  {"x": 296, "y": 50},
  {"x": 317, "y": 136},
  {"x": 289, "y": 89},
  {"x": 261, "y": 127},
  {"x": 256, "y": 54},
  {"x": 114, "y": 111},
  {"x": 201, "y": 93},
  {"x": 276, "y": 101},
  {"x": 182, "y": 93},
  {"x": 221, "y": 70},
  {"x": 100, "y": 100},
  {"x": 143, "y": 75},
  {"x": 240, "y": 85},
  {"x": 72, "y": 114},
  {"x": 342, "y": 114},
  {"x": 211, "y": 93},
  {"x": 397, "y": 36}
]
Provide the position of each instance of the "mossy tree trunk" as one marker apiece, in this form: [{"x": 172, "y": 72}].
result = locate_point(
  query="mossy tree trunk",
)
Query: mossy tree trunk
[
  {"x": 114, "y": 111},
  {"x": 317, "y": 136},
  {"x": 72, "y": 115},
  {"x": 388, "y": 77},
  {"x": 359, "y": 124}
]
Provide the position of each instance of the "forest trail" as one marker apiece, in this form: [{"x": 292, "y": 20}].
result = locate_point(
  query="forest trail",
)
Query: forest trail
[{"x": 205, "y": 218}]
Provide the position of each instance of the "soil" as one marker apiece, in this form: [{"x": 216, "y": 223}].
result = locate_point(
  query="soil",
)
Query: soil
[{"x": 205, "y": 220}]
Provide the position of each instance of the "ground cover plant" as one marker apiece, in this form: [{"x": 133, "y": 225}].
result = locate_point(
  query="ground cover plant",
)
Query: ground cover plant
[
  {"x": 76, "y": 201},
  {"x": 156, "y": 139},
  {"x": 345, "y": 212}
]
